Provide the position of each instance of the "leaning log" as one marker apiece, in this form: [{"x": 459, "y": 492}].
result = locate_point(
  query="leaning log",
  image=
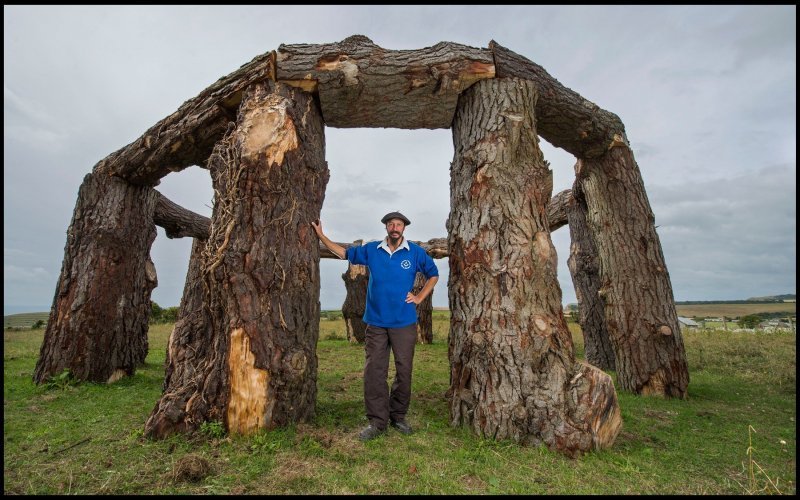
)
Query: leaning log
[
  {"x": 189, "y": 355},
  {"x": 584, "y": 269},
  {"x": 513, "y": 370},
  {"x": 97, "y": 329},
  {"x": 261, "y": 268},
  {"x": 563, "y": 117},
  {"x": 179, "y": 222},
  {"x": 363, "y": 85},
  {"x": 557, "y": 209},
  {"x": 634, "y": 282}
]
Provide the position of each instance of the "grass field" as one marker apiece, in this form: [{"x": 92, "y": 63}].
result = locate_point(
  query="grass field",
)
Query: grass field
[
  {"x": 87, "y": 438},
  {"x": 25, "y": 320}
]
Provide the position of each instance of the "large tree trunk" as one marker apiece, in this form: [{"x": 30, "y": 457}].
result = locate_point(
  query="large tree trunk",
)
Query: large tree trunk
[
  {"x": 363, "y": 85},
  {"x": 261, "y": 267},
  {"x": 513, "y": 370},
  {"x": 634, "y": 282},
  {"x": 583, "y": 267},
  {"x": 97, "y": 327},
  {"x": 424, "y": 312},
  {"x": 356, "y": 279},
  {"x": 190, "y": 357}
]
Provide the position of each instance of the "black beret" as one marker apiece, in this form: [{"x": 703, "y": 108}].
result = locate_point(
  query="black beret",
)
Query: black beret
[{"x": 395, "y": 215}]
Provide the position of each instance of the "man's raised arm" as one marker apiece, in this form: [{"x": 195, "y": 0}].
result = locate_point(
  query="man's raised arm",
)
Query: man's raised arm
[{"x": 332, "y": 246}]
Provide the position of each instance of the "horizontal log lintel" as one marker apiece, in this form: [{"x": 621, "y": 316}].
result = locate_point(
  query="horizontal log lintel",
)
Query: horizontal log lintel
[{"x": 363, "y": 85}]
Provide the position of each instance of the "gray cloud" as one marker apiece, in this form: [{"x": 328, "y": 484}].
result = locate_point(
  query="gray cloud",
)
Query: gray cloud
[{"x": 707, "y": 95}]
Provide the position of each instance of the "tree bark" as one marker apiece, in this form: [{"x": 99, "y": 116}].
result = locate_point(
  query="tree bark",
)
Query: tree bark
[
  {"x": 355, "y": 279},
  {"x": 424, "y": 312},
  {"x": 583, "y": 267},
  {"x": 634, "y": 282},
  {"x": 563, "y": 117},
  {"x": 363, "y": 85},
  {"x": 98, "y": 323},
  {"x": 261, "y": 267},
  {"x": 513, "y": 370},
  {"x": 189, "y": 359}
]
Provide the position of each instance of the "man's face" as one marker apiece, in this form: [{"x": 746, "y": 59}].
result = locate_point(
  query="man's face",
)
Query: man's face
[{"x": 395, "y": 228}]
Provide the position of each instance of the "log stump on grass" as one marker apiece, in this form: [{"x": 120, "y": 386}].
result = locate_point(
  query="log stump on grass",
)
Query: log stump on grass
[
  {"x": 513, "y": 370},
  {"x": 260, "y": 273}
]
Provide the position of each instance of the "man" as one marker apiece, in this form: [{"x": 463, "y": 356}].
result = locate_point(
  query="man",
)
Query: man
[{"x": 391, "y": 318}]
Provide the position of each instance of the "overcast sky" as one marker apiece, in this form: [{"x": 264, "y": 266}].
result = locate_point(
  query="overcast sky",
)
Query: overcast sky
[{"x": 707, "y": 95}]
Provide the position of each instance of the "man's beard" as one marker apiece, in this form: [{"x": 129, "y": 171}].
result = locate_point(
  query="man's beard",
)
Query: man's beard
[{"x": 395, "y": 240}]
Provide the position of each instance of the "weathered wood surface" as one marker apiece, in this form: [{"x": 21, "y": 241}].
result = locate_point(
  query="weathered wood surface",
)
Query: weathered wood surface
[
  {"x": 563, "y": 117},
  {"x": 363, "y": 85},
  {"x": 584, "y": 269},
  {"x": 98, "y": 322},
  {"x": 513, "y": 370},
  {"x": 261, "y": 267},
  {"x": 634, "y": 283}
]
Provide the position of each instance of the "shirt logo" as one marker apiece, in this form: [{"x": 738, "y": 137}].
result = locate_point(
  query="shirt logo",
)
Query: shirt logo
[{"x": 406, "y": 264}]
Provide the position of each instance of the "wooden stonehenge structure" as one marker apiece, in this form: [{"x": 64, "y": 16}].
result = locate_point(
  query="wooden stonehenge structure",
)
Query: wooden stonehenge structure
[{"x": 243, "y": 350}]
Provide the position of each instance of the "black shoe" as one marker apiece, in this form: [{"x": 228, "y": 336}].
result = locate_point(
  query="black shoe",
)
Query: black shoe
[
  {"x": 370, "y": 432},
  {"x": 402, "y": 426}
]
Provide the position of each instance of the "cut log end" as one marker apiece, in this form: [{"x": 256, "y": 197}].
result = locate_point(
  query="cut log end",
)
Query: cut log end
[
  {"x": 602, "y": 412},
  {"x": 117, "y": 375}
]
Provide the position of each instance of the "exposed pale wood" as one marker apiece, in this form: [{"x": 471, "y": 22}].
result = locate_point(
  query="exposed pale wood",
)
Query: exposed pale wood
[
  {"x": 249, "y": 401},
  {"x": 363, "y": 85},
  {"x": 564, "y": 118},
  {"x": 634, "y": 283},
  {"x": 98, "y": 322},
  {"x": 513, "y": 370}
]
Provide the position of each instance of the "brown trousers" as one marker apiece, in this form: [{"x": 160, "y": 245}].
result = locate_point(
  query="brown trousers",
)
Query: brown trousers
[{"x": 381, "y": 404}]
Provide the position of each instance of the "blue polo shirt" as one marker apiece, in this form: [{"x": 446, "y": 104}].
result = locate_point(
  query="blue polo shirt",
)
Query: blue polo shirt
[{"x": 391, "y": 277}]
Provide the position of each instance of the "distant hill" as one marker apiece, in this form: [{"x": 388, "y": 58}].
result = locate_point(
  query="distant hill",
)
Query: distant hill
[
  {"x": 24, "y": 320},
  {"x": 771, "y": 298}
]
